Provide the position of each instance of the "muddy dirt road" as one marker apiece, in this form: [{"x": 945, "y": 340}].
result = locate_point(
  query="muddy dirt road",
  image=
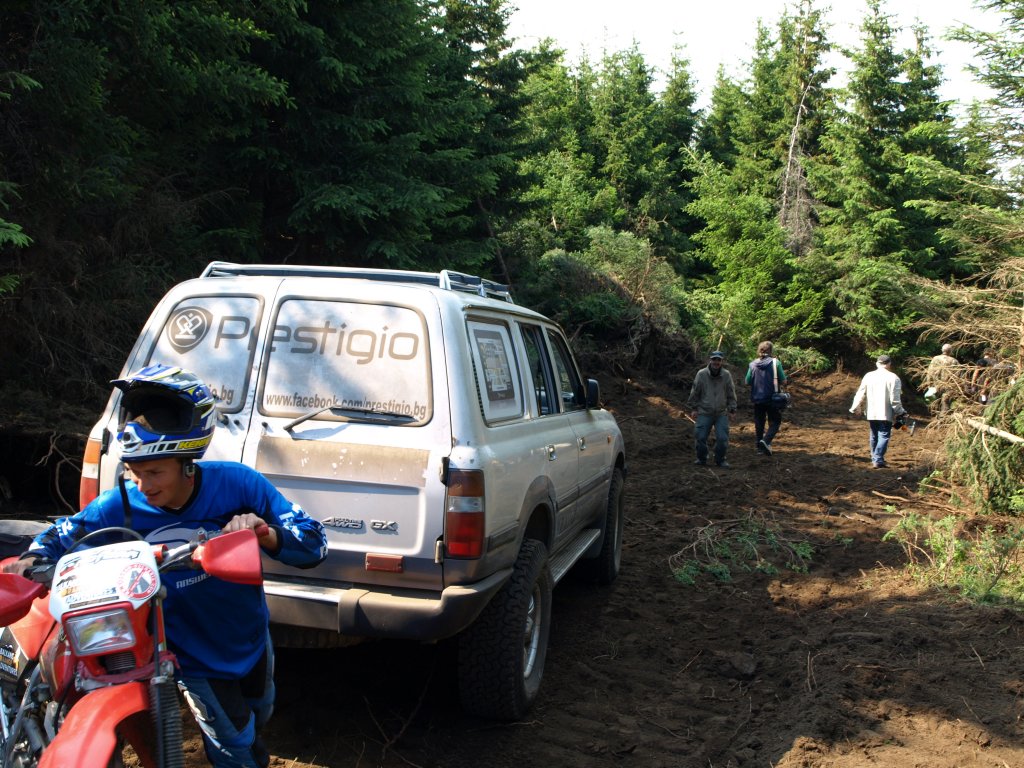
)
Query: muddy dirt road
[{"x": 847, "y": 664}]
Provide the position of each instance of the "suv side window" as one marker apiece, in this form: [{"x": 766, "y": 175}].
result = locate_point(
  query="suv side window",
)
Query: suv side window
[
  {"x": 569, "y": 384},
  {"x": 540, "y": 370},
  {"x": 497, "y": 376}
]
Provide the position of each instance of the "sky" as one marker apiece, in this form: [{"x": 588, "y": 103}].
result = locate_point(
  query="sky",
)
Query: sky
[{"x": 714, "y": 32}]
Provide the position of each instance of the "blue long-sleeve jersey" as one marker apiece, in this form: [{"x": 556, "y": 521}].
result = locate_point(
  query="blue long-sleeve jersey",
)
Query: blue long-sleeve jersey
[{"x": 215, "y": 628}]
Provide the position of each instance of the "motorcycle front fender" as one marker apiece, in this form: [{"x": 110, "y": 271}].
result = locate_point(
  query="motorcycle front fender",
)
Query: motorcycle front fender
[{"x": 89, "y": 734}]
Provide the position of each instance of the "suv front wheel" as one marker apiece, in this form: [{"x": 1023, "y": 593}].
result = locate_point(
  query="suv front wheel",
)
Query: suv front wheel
[
  {"x": 605, "y": 567},
  {"x": 501, "y": 656}
]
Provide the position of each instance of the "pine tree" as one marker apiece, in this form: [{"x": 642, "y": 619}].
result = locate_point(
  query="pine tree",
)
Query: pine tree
[
  {"x": 564, "y": 188},
  {"x": 873, "y": 238},
  {"x": 625, "y": 112},
  {"x": 716, "y": 131},
  {"x": 807, "y": 100},
  {"x": 984, "y": 218},
  {"x": 757, "y": 208},
  {"x": 674, "y": 131}
]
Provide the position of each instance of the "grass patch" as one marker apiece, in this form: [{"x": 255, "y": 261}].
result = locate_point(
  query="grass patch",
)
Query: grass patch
[
  {"x": 980, "y": 557},
  {"x": 751, "y": 544}
]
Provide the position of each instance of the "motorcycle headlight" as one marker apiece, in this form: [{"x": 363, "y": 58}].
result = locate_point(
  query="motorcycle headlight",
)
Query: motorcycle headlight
[{"x": 101, "y": 632}]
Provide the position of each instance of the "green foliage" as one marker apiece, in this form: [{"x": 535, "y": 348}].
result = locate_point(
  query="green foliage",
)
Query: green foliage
[
  {"x": 716, "y": 132},
  {"x": 799, "y": 359},
  {"x": 990, "y": 468},
  {"x": 873, "y": 300},
  {"x": 752, "y": 192},
  {"x": 615, "y": 289},
  {"x": 145, "y": 138},
  {"x": 892, "y": 121},
  {"x": 722, "y": 549},
  {"x": 745, "y": 246},
  {"x": 11, "y": 234},
  {"x": 607, "y": 151},
  {"x": 984, "y": 564},
  {"x": 155, "y": 136},
  {"x": 8, "y": 283}
]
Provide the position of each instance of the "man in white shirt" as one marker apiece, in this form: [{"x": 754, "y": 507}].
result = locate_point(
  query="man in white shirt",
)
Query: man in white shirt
[{"x": 879, "y": 392}]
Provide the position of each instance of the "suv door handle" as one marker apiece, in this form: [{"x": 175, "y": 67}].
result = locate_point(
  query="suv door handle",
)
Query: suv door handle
[
  {"x": 552, "y": 454},
  {"x": 583, "y": 443}
]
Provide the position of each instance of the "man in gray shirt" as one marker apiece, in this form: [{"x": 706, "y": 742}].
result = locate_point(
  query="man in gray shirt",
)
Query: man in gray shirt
[{"x": 712, "y": 401}]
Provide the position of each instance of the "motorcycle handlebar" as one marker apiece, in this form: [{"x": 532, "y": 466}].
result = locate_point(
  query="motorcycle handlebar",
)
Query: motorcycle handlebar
[
  {"x": 178, "y": 555},
  {"x": 41, "y": 571}
]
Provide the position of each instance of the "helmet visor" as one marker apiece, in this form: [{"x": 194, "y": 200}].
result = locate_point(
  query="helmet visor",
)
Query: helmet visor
[{"x": 158, "y": 410}]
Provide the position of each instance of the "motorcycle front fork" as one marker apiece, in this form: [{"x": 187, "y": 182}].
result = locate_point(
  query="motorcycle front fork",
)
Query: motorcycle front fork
[{"x": 26, "y": 728}]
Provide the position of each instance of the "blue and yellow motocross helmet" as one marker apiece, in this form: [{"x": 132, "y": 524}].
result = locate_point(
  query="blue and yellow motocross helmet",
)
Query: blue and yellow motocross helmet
[{"x": 165, "y": 412}]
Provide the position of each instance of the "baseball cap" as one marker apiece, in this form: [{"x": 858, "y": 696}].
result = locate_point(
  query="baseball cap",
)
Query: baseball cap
[
  {"x": 884, "y": 359},
  {"x": 717, "y": 353}
]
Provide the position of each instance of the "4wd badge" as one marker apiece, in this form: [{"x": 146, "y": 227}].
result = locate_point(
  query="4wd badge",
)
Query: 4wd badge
[{"x": 187, "y": 327}]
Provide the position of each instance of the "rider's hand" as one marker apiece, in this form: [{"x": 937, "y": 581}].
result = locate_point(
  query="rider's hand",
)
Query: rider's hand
[
  {"x": 266, "y": 535},
  {"x": 19, "y": 566}
]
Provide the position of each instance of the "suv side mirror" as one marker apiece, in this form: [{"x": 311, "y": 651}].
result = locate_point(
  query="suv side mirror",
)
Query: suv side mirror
[{"x": 593, "y": 394}]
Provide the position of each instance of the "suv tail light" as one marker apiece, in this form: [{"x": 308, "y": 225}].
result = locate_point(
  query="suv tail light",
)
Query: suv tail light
[
  {"x": 89, "y": 485},
  {"x": 464, "y": 520}
]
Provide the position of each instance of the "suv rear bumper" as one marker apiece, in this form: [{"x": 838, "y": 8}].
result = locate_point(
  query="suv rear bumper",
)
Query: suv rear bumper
[{"x": 360, "y": 611}]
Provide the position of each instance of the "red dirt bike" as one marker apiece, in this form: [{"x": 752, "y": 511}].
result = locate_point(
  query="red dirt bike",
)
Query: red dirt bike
[{"x": 86, "y": 670}]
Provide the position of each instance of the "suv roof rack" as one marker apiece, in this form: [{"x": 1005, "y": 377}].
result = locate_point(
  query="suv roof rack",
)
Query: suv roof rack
[{"x": 446, "y": 278}]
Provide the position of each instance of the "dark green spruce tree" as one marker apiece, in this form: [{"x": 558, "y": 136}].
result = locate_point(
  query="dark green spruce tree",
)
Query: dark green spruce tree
[
  {"x": 871, "y": 239},
  {"x": 389, "y": 150},
  {"x": 675, "y": 131},
  {"x": 758, "y": 210},
  {"x": 716, "y": 130},
  {"x": 109, "y": 158},
  {"x": 629, "y": 155},
  {"x": 565, "y": 191}
]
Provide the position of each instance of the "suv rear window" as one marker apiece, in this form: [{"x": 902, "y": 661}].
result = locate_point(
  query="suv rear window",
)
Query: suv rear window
[{"x": 327, "y": 353}]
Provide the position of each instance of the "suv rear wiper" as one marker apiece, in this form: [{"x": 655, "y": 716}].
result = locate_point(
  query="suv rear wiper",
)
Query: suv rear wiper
[{"x": 368, "y": 415}]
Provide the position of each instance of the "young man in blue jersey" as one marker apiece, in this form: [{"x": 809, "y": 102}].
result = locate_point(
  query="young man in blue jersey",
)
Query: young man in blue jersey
[{"x": 219, "y": 631}]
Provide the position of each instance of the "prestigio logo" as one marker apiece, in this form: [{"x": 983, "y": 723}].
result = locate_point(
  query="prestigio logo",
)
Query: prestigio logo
[{"x": 187, "y": 327}]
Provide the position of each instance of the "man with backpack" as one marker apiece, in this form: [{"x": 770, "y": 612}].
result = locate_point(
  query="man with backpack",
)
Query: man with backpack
[{"x": 765, "y": 377}]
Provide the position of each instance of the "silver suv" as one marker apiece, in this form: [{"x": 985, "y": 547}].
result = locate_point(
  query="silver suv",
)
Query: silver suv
[{"x": 442, "y": 434}]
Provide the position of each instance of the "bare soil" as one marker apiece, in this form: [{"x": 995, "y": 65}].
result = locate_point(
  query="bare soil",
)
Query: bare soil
[{"x": 848, "y": 664}]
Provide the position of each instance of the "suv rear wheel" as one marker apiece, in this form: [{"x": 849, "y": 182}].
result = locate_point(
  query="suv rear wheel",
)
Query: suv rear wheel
[{"x": 501, "y": 656}]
